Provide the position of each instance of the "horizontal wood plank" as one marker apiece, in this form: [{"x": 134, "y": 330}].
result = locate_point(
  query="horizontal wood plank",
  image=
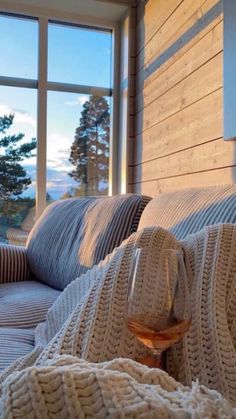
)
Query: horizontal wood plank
[
  {"x": 222, "y": 176},
  {"x": 202, "y": 82},
  {"x": 151, "y": 16},
  {"x": 147, "y": 75},
  {"x": 185, "y": 16},
  {"x": 207, "y": 156},
  {"x": 192, "y": 126},
  {"x": 210, "y": 45},
  {"x": 179, "y": 87}
]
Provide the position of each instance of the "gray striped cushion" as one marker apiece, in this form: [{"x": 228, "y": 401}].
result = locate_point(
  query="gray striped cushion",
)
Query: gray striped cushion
[
  {"x": 13, "y": 264},
  {"x": 75, "y": 234},
  {"x": 25, "y": 304},
  {"x": 187, "y": 211},
  {"x": 14, "y": 343}
]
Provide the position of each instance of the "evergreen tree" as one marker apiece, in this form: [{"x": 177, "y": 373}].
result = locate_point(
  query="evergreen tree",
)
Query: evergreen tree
[
  {"x": 13, "y": 177},
  {"x": 90, "y": 148}
]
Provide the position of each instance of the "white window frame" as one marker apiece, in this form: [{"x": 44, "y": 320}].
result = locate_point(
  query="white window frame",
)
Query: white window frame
[
  {"x": 229, "y": 75},
  {"x": 43, "y": 86}
]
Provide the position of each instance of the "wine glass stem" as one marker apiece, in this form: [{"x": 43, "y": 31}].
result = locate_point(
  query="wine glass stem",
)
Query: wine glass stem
[{"x": 157, "y": 354}]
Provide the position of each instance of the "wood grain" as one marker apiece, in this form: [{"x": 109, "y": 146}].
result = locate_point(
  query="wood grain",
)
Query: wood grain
[
  {"x": 178, "y": 141},
  {"x": 184, "y": 17},
  {"x": 198, "y": 84},
  {"x": 207, "y": 156},
  {"x": 194, "y": 125},
  {"x": 146, "y": 75},
  {"x": 222, "y": 176},
  {"x": 209, "y": 46},
  {"x": 151, "y": 16}
]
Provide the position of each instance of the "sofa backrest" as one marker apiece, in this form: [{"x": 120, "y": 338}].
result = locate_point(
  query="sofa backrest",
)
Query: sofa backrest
[
  {"x": 74, "y": 234},
  {"x": 187, "y": 211}
]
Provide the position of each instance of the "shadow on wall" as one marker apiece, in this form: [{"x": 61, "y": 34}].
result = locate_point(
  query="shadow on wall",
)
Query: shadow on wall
[{"x": 152, "y": 67}]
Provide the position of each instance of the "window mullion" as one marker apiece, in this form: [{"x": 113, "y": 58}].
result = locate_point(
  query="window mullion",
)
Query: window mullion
[
  {"x": 78, "y": 88},
  {"x": 42, "y": 118},
  {"x": 114, "y": 127},
  {"x": 18, "y": 82}
]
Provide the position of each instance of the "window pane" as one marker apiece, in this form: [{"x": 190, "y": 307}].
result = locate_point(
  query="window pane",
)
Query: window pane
[
  {"x": 19, "y": 47},
  {"x": 79, "y": 56},
  {"x": 77, "y": 145},
  {"x": 17, "y": 163}
]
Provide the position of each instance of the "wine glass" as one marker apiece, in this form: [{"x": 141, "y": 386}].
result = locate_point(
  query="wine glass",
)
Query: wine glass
[{"x": 158, "y": 304}]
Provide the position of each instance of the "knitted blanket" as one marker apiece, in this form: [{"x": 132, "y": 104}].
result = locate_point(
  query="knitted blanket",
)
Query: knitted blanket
[
  {"x": 208, "y": 351},
  {"x": 87, "y": 321},
  {"x": 70, "y": 388}
]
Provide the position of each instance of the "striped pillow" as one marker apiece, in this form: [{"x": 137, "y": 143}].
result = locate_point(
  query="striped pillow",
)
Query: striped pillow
[
  {"x": 188, "y": 211},
  {"x": 74, "y": 234},
  {"x": 13, "y": 264}
]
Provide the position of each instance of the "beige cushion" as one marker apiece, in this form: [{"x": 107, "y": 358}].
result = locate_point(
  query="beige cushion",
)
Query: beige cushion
[
  {"x": 24, "y": 304},
  {"x": 75, "y": 234},
  {"x": 188, "y": 211},
  {"x": 14, "y": 343}
]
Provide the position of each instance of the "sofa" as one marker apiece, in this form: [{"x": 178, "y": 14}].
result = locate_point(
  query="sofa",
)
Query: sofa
[
  {"x": 75, "y": 234},
  {"x": 70, "y": 237}
]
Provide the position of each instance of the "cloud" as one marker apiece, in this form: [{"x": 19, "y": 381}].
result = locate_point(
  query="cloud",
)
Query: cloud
[
  {"x": 51, "y": 161},
  {"x": 79, "y": 101},
  {"x": 58, "y": 183},
  {"x": 58, "y": 151},
  {"x": 62, "y": 165},
  {"x": 25, "y": 119},
  {"x": 21, "y": 117},
  {"x": 64, "y": 151}
]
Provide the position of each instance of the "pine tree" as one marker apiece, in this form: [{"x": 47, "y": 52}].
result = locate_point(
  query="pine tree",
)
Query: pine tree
[
  {"x": 13, "y": 177},
  {"x": 90, "y": 148}
]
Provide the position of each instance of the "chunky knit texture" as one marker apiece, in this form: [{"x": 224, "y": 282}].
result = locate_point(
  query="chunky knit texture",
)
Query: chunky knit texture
[
  {"x": 95, "y": 329},
  {"x": 208, "y": 351},
  {"x": 71, "y": 388}
]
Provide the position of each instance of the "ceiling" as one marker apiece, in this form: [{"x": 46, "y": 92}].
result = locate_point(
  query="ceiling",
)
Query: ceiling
[{"x": 93, "y": 8}]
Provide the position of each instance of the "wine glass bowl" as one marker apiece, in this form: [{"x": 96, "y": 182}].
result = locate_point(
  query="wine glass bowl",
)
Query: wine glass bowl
[{"x": 164, "y": 318}]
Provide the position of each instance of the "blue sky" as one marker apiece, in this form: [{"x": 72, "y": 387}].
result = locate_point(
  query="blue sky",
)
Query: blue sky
[{"x": 74, "y": 56}]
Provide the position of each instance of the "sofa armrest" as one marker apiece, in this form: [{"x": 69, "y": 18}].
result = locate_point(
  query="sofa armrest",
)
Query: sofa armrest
[{"x": 13, "y": 264}]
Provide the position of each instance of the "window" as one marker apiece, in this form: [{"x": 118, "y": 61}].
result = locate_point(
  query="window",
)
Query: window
[
  {"x": 79, "y": 167},
  {"x": 55, "y": 113}
]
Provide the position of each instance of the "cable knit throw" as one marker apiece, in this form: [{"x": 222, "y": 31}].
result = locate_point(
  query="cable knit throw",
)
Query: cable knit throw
[
  {"x": 71, "y": 388},
  {"x": 87, "y": 321},
  {"x": 208, "y": 351}
]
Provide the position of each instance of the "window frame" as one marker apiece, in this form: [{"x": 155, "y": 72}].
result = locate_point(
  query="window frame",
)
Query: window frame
[
  {"x": 229, "y": 78},
  {"x": 43, "y": 86}
]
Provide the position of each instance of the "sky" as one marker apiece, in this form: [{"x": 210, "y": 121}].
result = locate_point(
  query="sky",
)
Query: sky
[{"x": 75, "y": 56}]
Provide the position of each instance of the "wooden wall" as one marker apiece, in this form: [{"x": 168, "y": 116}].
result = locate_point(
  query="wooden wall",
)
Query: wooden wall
[{"x": 179, "y": 83}]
